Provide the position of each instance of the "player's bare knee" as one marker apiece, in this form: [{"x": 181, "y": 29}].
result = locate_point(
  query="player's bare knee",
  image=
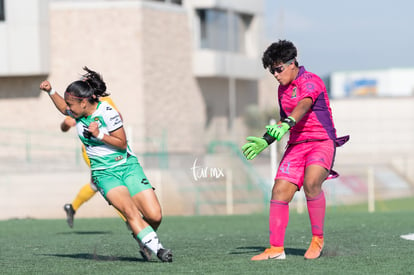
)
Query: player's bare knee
[
  {"x": 154, "y": 217},
  {"x": 283, "y": 192},
  {"x": 279, "y": 195},
  {"x": 311, "y": 190}
]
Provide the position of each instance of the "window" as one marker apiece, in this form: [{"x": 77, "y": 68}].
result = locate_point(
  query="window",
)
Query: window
[
  {"x": 213, "y": 29},
  {"x": 176, "y": 2},
  {"x": 223, "y": 30},
  {"x": 2, "y": 12}
]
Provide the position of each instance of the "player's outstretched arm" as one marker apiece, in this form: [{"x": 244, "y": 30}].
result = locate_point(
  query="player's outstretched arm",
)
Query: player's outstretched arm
[
  {"x": 56, "y": 98},
  {"x": 256, "y": 145},
  {"x": 67, "y": 123}
]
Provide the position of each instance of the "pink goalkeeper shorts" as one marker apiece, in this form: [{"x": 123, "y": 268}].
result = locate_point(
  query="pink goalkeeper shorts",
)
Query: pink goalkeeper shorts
[{"x": 299, "y": 156}]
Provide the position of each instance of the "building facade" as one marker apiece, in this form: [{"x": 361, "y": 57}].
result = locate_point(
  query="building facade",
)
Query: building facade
[{"x": 182, "y": 72}]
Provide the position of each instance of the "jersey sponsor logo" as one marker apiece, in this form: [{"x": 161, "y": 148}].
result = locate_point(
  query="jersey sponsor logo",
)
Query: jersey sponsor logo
[
  {"x": 293, "y": 92},
  {"x": 118, "y": 158},
  {"x": 86, "y": 133},
  {"x": 117, "y": 121}
]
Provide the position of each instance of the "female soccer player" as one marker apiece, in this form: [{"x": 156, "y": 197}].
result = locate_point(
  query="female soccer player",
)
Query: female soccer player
[
  {"x": 115, "y": 170},
  {"x": 88, "y": 190},
  {"x": 309, "y": 157}
]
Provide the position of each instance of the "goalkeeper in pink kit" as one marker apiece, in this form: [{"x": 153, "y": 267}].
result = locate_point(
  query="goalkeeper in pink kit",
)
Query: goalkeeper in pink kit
[{"x": 308, "y": 160}]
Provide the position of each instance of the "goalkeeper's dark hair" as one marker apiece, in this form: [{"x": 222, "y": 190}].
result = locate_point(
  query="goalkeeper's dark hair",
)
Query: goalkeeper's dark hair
[
  {"x": 279, "y": 52},
  {"x": 91, "y": 86}
]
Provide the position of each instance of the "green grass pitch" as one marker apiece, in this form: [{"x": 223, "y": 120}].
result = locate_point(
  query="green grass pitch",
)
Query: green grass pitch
[{"x": 357, "y": 242}]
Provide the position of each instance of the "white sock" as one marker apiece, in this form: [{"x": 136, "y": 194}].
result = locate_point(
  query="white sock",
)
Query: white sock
[{"x": 151, "y": 241}]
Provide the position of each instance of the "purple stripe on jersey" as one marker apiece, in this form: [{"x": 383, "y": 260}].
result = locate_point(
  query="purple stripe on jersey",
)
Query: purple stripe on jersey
[
  {"x": 301, "y": 72},
  {"x": 321, "y": 109},
  {"x": 282, "y": 112}
]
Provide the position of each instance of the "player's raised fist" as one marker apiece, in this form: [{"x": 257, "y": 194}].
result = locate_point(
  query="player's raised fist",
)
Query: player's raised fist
[
  {"x": 45, "y": 86},
  {"x": 94, "y": 129}
]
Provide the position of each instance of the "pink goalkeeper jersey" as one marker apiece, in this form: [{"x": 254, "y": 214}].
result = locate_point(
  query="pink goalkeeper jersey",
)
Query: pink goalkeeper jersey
[{"x": 317, "y": 122}]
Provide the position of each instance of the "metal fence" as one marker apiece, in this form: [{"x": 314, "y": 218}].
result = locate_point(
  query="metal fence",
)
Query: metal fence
[{"x": 222, "y": 182}]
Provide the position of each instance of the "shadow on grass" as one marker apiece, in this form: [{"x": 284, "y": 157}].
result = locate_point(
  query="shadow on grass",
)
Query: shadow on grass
[
  {"x": 260, "y": 249},
  {"x": 85, "y": 233},
  {"x": 97, "y": 257}
]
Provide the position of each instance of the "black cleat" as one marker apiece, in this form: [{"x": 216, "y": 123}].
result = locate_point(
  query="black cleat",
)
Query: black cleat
[
  {"x": 69, "y": 214},
  {"x": 165, "y": 255},
  {"x": 143, "y": 250}
]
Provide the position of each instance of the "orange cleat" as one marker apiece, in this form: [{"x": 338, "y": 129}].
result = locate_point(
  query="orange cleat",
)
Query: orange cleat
[
  {"x": 315, "y": 249},
  {"x": 274, "y": 252}
]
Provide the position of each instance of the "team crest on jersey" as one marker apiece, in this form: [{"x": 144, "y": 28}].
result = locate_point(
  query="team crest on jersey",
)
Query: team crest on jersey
[
  {"x": 97, "y": 120},
  {"x": 294, "y": 92}
]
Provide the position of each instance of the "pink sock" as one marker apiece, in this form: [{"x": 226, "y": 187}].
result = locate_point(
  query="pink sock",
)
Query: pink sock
[
  {"x": 278, "y": 221},
  {"x": 316, "y": 209}
]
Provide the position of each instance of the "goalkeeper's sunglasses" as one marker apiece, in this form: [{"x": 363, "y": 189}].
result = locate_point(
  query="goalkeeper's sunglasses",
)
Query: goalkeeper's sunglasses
[{"x": 280, "y": 68}]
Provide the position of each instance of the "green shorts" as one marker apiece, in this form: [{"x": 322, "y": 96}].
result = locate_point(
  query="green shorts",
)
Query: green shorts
[{"x": 129, "y": 174}]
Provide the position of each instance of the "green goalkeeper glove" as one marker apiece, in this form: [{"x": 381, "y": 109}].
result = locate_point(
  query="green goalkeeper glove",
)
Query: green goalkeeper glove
[
  {"x": 254, "y": 147},
  {"x": 279, "y": 130}
]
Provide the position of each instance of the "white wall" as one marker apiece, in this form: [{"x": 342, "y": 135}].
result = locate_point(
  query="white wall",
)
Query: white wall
[
  {"x": 24, "y": 36},
  {"x": 381, "y": 128}
]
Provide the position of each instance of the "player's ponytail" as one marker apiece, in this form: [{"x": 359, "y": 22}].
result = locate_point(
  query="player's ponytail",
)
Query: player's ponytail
[
  {"x": 91, "y": 86},
  {"x": 95, "y": 81}
]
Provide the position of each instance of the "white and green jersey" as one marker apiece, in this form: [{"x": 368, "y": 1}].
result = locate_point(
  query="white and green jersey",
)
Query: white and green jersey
[{"x": 101, "y": 155}]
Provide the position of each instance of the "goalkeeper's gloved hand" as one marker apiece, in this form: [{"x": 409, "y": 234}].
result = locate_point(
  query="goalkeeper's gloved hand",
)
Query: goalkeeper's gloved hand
[
  {"x": 254, "y": 147},
  {"x": 279, "y": 130}
]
